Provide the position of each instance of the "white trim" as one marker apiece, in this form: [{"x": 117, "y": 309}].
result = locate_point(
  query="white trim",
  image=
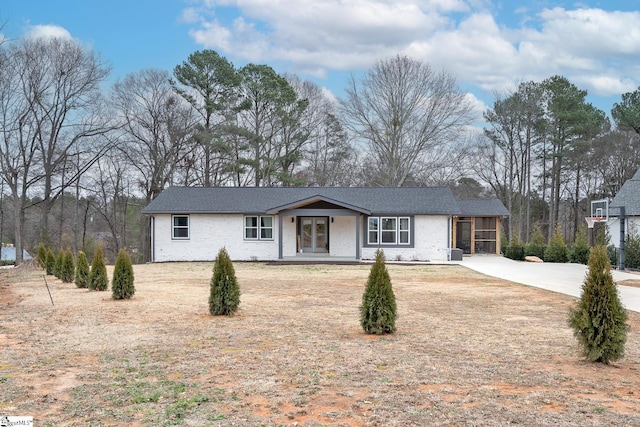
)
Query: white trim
[{"x": 175, "y": 227}]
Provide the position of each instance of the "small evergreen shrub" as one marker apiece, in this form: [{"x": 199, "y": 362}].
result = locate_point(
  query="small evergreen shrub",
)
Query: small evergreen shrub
[
  {"x": 98, "y": 280},
  {"x": 42, "y": 256},
  {"x": 536, "y": 246},
  {"x": 82, "y": 271},
  {"x": 599, "y": 321},
  {"x": 122, "y": 282},
  {"x": 614, "y": 255},
  {"x": 632, "y": 251},
  {"x": 557, "y": 249},
  {"x": 515, "y": 250},
  {"x": 51, "y": 263},
  {"x": 67, "y": 268},
  {"x": 378, "y": 311},
  {"x": 58, "y": 268},
  {"x": 579, "y": 252},
  {"x": 224, "y": 295}
]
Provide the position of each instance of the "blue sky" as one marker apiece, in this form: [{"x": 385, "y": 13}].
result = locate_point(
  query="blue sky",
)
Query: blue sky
[{"x": 487, "y": 45}]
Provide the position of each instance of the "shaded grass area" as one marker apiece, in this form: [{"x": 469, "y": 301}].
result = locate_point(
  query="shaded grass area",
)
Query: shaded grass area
[{"x": 470, "y": 350}]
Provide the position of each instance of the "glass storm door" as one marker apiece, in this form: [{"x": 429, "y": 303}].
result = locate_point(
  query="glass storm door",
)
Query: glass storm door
[{"x": 314, "y": 234}]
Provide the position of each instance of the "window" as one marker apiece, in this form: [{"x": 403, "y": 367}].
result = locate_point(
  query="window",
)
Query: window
[
  {"x": 180, "y": 227},
  {"x": 258, "y": 227},
  {"x": 373, "y": 230},
  {"x": 389, "y": 231},
  {"x": 404, "y": 231},
  {"x": 266, "y": 227}
]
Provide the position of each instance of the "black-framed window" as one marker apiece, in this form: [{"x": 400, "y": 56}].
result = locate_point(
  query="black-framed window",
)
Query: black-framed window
[
  {"x": 180, "y": 227},
  {"x": 258, "y": 227},
  {"x": 388, "y": 230}
]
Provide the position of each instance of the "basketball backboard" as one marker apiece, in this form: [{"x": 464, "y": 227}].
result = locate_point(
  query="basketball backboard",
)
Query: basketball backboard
[{"x": 600, "y": 210}]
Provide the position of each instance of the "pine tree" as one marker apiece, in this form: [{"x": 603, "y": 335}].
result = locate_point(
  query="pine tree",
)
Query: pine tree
[
  {"x": 224, "y": 296},
  {"x": 82, "y": 271},
  {"x": 51, "y": 262},
  {"x": 98, "y": 280},
  {"x": 42, "y": 256},
  {"x": 122, "y": 282},
  {"x": 67, "y": 267},
  {"x": 599, "y": 320},
  {"x": 378, "y": 309}
]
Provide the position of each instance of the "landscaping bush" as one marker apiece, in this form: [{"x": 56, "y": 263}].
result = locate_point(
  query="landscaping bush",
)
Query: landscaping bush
[
  {"x": 632, "y": 251},
  {"x": 224, "y": 295},
  {"x": 51, "y": 262},
  {"x": 122, "y": 282},
  {"x": 42, "y": 256},
  {"x": 536, "y": 246},
  {"x": 82, "y": 271},
  {"x": 515, "y": 250},
  {"x": 378, "y": 311},
  {"x": 98, "y": 280},
  {"x": 67, "y": 267},
  {"x": 579, "y": 252},
  {"x": 599, "y": 319},
  {"x": 57, "y": 271},
  {"x": 557, "y": 249}
]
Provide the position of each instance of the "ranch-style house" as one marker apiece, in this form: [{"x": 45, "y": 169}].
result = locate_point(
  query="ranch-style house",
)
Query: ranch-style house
[{"x": 329, "y": 223}]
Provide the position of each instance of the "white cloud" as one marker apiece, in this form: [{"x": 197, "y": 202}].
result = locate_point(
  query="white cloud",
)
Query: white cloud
[
  {"x": 593, "y": 48},
  {"x": 48, "y": 31}
]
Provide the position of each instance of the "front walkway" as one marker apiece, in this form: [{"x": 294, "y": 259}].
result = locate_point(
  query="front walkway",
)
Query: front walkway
[{"x": 563, "y": 278}]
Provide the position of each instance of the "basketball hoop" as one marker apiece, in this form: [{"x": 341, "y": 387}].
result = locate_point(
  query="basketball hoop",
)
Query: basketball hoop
[{"x": 591, "y": 220}]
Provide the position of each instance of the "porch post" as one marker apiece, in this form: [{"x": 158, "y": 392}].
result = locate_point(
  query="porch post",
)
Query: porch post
[{"x": 280, "y": 235}]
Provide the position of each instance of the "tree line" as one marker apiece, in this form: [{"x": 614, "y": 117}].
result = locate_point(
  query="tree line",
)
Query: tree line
[{"x": 80, "y": 158}]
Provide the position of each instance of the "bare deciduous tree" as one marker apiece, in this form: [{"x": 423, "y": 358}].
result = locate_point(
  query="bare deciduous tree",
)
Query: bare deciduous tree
[{"x": 403, "y": 111}]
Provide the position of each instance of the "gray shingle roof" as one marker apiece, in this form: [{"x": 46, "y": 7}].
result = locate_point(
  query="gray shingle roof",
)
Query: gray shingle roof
[
  {"x": 381, "y": 200},
  {"x": 628, "y": 196},
  {"x": 482, "y": 207}
]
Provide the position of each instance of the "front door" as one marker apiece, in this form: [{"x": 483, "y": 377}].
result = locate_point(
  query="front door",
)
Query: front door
[{"x": 314, "y": 234}]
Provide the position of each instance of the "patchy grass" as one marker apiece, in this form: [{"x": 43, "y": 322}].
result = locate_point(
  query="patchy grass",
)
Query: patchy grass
[{"x": 470, "y": 350}]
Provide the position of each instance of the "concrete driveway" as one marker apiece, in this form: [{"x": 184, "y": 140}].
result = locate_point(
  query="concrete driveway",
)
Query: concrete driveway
[{"x": 563, "y": 278}]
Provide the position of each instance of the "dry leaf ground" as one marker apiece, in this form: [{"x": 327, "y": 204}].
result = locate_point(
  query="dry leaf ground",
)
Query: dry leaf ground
[{"x": 470, "y": 351}]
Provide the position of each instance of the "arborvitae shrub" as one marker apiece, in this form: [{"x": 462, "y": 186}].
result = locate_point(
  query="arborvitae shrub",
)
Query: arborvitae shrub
[
  {"x": 224, "y": 295},
  {"x": 378, "y": 310},
  {"x": 122, "y": 282},
  {"x": 98, "y": 280},
  {"x": 579, "y": 252},
  {"x": 82, "y": 271},
  {"x": 599, "y": 320},
  {"x": 536, "y": 246},
  {"x": 632, "y": 250},
  {"x": 67, "y": 268},
  {"x": 58, "y": 268},
  {"x": 51, "y": 262},
  {"x": 515, "y": 250},
  {"x": 42, "y": 256},
  {"x": 557, "y": 249}
]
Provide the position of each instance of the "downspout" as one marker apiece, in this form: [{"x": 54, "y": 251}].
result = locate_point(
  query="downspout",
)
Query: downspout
[
  {"x": 153, "y": 238},
  {"x": 280, "y": 235},
  {"x": 450, "y": 239},
  {"x": 358, "y": 222}
]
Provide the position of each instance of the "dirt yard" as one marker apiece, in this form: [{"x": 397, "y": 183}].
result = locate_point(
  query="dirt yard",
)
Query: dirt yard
[{"x": 469, "y": 351}]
